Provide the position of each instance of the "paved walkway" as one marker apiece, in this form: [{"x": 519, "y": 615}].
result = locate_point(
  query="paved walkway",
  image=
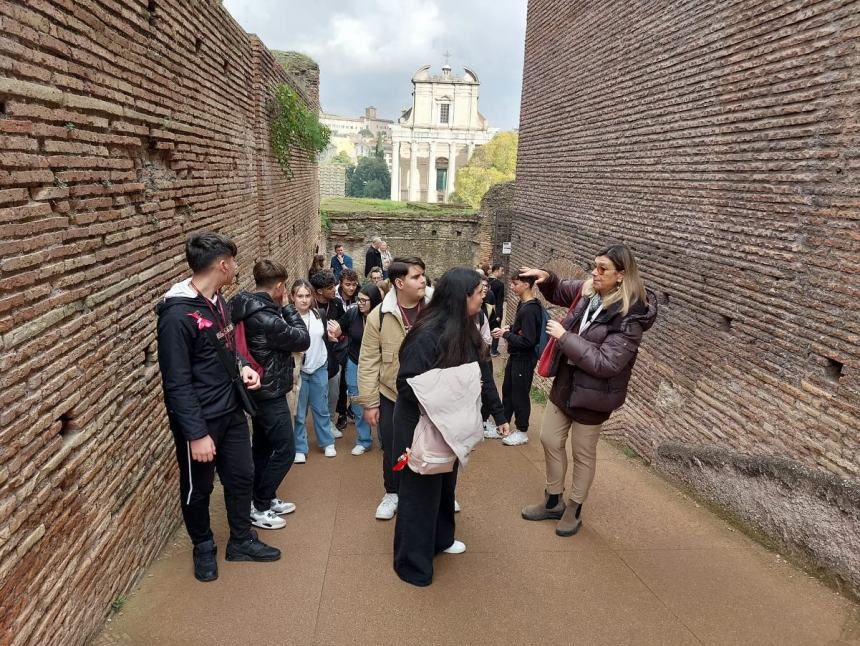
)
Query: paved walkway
[{"x": 649, "y": 567}]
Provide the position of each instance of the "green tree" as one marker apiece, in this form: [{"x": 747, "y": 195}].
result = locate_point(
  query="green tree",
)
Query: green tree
[
  {"x": 370, "y": 175},
  {"x": 494, "y": 163},
  {"x": 342, "y": 158}
]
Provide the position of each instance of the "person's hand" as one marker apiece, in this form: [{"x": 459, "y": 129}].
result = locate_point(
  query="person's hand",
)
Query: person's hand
[
  {"x": 504, "y": 429},
  {"x": 334, "y": 330},
  {"x": 250, "y": 378},
  {"x": 202, "y": 449},
  {"x": 539, "y": 274},
  {"x": 497, "y": 333},
  {"x": 371, "y": 416},
  {"x": 555, "y": 329}
]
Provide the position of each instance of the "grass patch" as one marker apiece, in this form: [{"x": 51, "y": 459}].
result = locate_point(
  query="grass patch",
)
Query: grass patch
[
  {"x": 117, "y": 604},
  {"x": 538, "y": 396},
  {"x": 630, "y": 453},
  {"x": 369, "y": 205}
]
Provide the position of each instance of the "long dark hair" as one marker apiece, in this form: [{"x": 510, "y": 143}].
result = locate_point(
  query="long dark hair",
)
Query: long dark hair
[
  {"x": 372, "y": 292},
  {"x": 459, "y": 340}
]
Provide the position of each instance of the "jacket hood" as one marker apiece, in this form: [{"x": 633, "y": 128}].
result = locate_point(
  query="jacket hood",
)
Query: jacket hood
[
  {"x": 389, "y": 303},
  {"x": 644, "y": 313},
  {"x": 245, "y": 304},
  {"x": 181, "y": 293}
]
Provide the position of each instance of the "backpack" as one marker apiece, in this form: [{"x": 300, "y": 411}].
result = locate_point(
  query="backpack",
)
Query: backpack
[
  {"x": 544, "y": 337},
  {"x": 244, "y": 352}
]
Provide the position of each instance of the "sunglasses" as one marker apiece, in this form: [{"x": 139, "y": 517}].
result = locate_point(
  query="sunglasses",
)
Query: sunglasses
[{"x": 590, "y": 266}]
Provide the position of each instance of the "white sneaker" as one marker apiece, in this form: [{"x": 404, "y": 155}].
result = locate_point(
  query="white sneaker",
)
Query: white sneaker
[
  {"x": 456, "y": 506},
  {"x": 388, "y": 507},
  {"x": 515, "y": 439},
  {"x": 266, "y": 519},
  {"x": 282, "y": 507},
  {"x": 301, "y": 458},
  {"x": 336, "y": 434},
  {"x": 456, "y": 548},
  {"x": 491, "y": 431},
  {"x": 330, "y": 451},
  {"x": 358, "y": 449}
]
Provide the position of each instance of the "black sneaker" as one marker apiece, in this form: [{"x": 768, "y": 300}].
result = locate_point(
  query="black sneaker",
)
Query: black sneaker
[
  {"x": 252, "y": 549},
  {"x": 205, "y": 565},
  {"x": 342, "y": 421}
]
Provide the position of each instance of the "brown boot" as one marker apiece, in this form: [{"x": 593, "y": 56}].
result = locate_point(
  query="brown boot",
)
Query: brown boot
[
  {"x": 552, "y": 507},
  {"x": 570, "y": 520}
]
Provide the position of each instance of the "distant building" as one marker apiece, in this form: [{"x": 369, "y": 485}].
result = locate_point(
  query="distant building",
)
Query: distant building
[
  {"x": 357, "y": 136},
  {"x": 437, "y": 135}
]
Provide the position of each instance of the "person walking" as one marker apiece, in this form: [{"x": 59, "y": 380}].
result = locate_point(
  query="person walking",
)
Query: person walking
[
  {"x": 314, "y": 387},
  {"x": 325, "y": 297},
  {"x": 444, "y": 336},
  {"x": 352, "y": 325},
  {"x": 522, "y": 337},
  {"x": 378, "y": 363},
  {"x": 387, "y": 257},
  {"x": 272, "y": 334},
  {"x": 595, "y": 351},
  {"x": 340, "y": 261},
  {"x": 199, "y": 376},
  {"x": 373, "y": 257}
]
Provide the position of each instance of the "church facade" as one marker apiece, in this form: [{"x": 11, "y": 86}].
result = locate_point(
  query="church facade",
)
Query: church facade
[{"x": 437, "y": 135}]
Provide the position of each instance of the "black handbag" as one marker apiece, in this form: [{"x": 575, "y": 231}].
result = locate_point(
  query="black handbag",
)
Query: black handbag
[{"x": 229, "y": 363}]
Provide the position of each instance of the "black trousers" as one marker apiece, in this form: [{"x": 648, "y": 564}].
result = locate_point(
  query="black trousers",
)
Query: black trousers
[
  {"x": 235, "y": 469},
  {"x": 516, "y": 388},
  {"x": 494, "y": 346},
  {"x": 273, "y": 448},
  {"x": 390, "y": 478},
  {"x": 341, "y": 396}
]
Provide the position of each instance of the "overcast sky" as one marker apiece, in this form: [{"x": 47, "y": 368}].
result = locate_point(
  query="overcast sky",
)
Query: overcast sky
[{"x": 368, "y": 50}]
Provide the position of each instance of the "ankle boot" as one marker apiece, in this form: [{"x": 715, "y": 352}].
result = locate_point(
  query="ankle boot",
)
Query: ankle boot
[
  {"x": 570, "y": 521},
  {"x": 205, "y": 565},
  {"x": 552, "y": 507}
]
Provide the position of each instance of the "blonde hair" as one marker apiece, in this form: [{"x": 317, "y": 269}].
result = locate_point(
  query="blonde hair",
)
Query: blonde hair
[{"x": 631, "y": 290}]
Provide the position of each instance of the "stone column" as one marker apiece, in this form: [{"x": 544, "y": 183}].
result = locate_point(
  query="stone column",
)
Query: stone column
[
  {"x": 395, "y": 171},
  {"x": 452, "y": 169},
  {"x": 471, "y": 151},
  {"x": 431, "y": 174},
  {"x": 413, "y": 171}
]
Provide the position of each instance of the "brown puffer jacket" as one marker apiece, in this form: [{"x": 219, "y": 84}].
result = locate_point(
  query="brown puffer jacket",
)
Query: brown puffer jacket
[{"x": 593, "y": 370}]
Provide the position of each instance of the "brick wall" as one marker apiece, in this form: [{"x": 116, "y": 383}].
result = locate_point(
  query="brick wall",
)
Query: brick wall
[
  {"x": 125, "y": 125},
  {"x": 721, "y": 141},
  {"x": 332, "y": 180},
  {"x": 441, "y": 241}
]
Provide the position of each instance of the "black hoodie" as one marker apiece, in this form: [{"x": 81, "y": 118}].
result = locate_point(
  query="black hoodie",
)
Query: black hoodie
[
  {"x": 272, "y": 334},
  {"x": 196, "y": 385},
  {"x": 526, "y": 328}
]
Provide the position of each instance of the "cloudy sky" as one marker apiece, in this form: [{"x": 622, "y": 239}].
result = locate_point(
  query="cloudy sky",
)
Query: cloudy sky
[{"x": 368, "y": 49}]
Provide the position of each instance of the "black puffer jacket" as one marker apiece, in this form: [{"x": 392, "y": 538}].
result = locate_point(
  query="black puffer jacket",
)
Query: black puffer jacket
[{"x": 273, "y": 333}]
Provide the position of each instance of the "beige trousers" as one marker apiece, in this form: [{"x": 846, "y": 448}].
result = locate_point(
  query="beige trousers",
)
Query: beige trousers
[{"x": 555, "y": 428}]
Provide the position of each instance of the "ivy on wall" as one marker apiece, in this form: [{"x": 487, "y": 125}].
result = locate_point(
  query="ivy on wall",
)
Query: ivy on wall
[{"x": 294, "y": 126}]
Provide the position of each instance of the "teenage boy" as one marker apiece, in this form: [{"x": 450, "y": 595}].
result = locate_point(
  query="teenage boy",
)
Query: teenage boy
[
  {"x": 345, "y": 293},
  {"x": 340, "y": 261},
  {"x": 203, "y": 403},
  {"x": 378, "y": 362},
  {"x": 497, "y": 287},
  {"x": 331, "y": 309},
  {"x": 272, "y": 334},
  {"x": 522, "y": 338}
]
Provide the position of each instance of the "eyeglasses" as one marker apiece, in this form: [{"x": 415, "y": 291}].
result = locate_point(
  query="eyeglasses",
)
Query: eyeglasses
[
  {"x": 363, "y": 301},
  {"x": 601, "y": 269}
]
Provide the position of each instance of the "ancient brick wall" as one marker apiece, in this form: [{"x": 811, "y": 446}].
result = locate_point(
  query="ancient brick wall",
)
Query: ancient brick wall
[
  {"x": 720, "y": 140},
  {"x": 332, "y": 180},
  {"x": 442, "y": 241},
  {"x": 125, "y": 125}
]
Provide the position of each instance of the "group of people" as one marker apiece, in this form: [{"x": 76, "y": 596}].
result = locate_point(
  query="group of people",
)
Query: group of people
[{"x": 356, "y": 351}]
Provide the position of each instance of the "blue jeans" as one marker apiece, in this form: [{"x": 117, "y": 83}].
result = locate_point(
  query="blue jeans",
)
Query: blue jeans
[
  {"x": 314, "y": 390},
  {"x": 362, "y": 428}
]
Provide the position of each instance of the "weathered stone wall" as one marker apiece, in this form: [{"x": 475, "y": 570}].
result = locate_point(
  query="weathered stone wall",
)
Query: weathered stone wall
[
  {"x": 442, "y": 241},
  {"x": 720, "y": 140},
  {"x": 497, "y": 214},
  {"x": 125, "y": 125},
  {"x": 332, "y": 180}
]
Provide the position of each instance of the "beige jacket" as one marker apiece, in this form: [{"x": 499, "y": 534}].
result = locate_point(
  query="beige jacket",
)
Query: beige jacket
[{"x": 379, "y": 360}]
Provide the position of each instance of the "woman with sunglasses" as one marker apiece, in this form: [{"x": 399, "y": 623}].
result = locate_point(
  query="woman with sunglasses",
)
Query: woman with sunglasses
[
  {"x": 352, "y": 325},
  {"x": 595, "y": 349}
]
